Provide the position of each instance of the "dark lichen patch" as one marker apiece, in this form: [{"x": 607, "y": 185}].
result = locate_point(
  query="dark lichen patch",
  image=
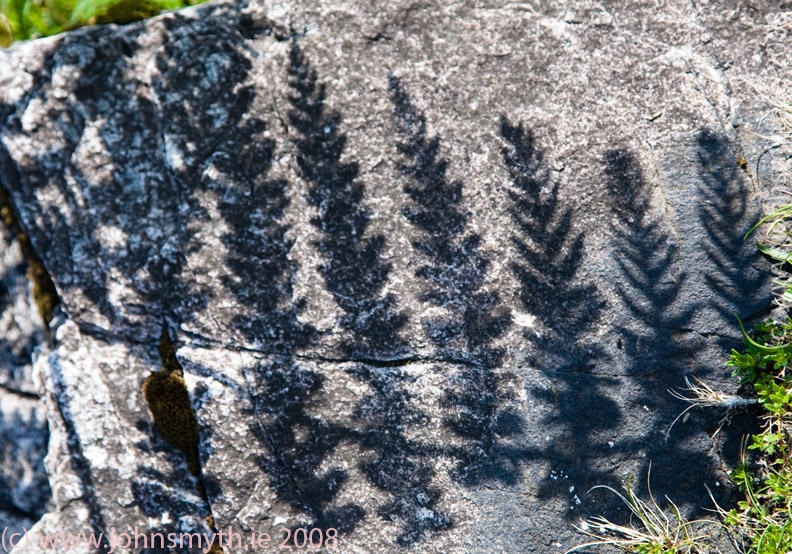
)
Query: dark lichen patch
[
  {"x": 44, "y": 293},
  {"x": 169, "y": 402}
]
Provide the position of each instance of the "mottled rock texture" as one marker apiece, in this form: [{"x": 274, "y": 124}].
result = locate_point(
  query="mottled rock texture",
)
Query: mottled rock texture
[
  {"x": 24, "y": 490},
  {"x": 428, "y": 268}
]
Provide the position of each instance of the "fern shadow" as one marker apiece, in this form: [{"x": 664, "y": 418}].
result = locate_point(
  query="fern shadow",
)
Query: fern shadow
[
  {"x": 453, "y": 273},
  {"x": 563, "y": 308},
  {"x": 657, "y": 342},
  {"x": 355, "y": 275},
  {"x": 739, "y": 279}
]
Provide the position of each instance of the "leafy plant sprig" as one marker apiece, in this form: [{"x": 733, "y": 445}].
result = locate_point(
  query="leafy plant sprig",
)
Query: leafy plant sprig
[{"x": 29, "y": 19}]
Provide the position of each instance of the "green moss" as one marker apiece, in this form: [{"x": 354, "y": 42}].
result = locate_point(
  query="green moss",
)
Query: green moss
[
  {"x": 169, "y": 402},
  {"x": 44, "y": 293},
  {"x": 127, "y": 11}
]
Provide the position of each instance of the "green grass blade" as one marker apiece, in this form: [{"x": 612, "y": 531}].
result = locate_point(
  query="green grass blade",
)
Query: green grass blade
[{"x": 762, "y": 347}]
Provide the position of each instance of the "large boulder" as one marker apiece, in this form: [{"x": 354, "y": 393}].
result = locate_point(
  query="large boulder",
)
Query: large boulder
[{"x": 426, "y": 270}]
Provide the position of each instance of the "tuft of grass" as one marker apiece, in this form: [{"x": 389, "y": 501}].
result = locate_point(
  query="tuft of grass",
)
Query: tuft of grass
[
  {"x": 701, "y": 395},
  {"x": 29, "y": 19},
  {"x": 761, "y": 521},
  {"x": 651, "y": 530}
]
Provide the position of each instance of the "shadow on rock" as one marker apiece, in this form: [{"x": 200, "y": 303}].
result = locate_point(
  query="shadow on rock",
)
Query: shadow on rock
[
  {"x": 738, "y": 277},
  {"x": 355, "y": 275},
  {"x": 453, "y": 275},
  {"x": 656, "y": 341},
  {"x": 170, "y": 496},
  {"x": 562, "y": 309}
]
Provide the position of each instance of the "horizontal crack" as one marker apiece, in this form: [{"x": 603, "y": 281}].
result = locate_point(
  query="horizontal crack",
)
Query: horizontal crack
[
  {"x": 18, "y": 392},
  {"x": 203, "y": 341}
]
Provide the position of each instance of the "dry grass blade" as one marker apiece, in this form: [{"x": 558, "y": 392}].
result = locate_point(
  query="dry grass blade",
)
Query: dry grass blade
[
  {"x": 704, "y": 396},
  {"x": 657, "y": 533},
  {"x": 598, "y": 526}
]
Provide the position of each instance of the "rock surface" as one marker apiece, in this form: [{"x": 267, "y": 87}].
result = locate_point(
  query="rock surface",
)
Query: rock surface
[
  {"x": 24, "y": 490},
  {"x": 108, "y": 468},
  {"x": 429, "y": 268}
]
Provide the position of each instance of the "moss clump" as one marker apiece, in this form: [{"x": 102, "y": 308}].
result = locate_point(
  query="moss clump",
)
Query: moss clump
[
  {"x": 169, "y": 402},
  {"x": 216, "y": 547},
  {"x": 44, "y": 293},
  {"x": 26, "y": 19},
  {"x": 743, "y": 163},
  {"x": 126, "y": 11}
]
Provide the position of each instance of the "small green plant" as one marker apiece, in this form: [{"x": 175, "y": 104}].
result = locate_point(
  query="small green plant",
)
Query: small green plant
[
  {"x": 770, "y": 351},
  {"x": 28, "y": 19},
  {"x": 654, "y": 533},
  {"x": 762, "y": 520}
]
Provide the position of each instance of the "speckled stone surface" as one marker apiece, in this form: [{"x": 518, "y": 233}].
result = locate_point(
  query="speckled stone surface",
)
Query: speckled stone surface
[
  {"x": 429, "y": 267},
  {"x": 24, "y": 490}
]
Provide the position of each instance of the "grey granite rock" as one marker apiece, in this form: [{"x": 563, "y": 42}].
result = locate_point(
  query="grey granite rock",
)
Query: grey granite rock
[
  {"x": 110, "y": 471},
  {"x": 22, "y": 329},
  {"x": 24, "y": 488},
  {"x": 429, "y": 268}
]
